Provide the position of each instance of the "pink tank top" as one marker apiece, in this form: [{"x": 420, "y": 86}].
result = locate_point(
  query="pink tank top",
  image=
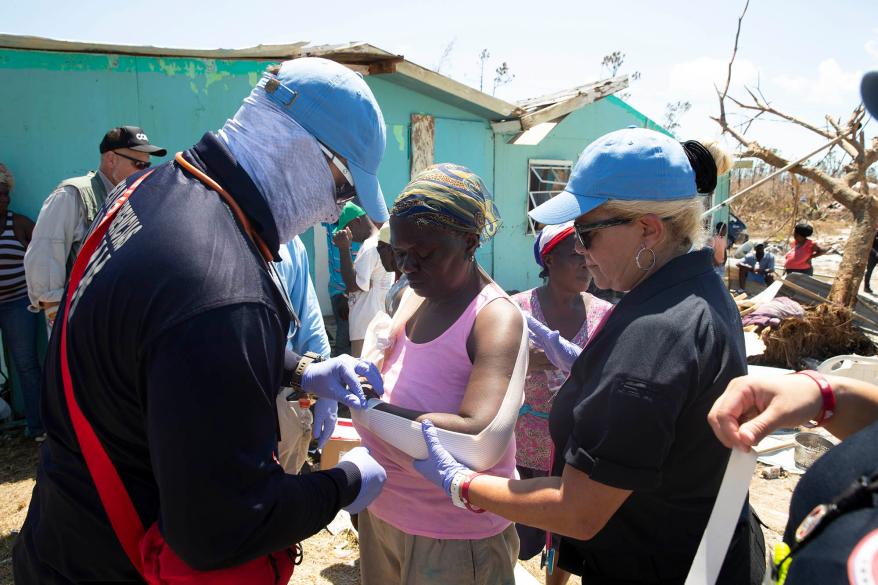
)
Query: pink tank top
[{"x": 431, "y": 377}]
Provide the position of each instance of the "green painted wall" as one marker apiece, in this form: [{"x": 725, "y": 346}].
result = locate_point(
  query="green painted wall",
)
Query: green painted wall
[
  {"x": 57, "y": 107},
  {"x": 514, "y": 267}
]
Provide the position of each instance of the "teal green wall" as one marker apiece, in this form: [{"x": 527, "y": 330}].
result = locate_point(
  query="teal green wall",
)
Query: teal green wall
[
  {"x": 57, "y": 107},
  {"x": 514, "y": 267}
]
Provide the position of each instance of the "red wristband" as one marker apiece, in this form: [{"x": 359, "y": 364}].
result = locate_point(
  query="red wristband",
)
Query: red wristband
[
  {"x": 826, "y": 393},
  {"x": 464, "y": 494}
]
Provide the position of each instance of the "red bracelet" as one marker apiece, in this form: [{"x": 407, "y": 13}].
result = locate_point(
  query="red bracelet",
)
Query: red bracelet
[
  {"x": 826, "y": 393},
  {"x": 464, "y": 494}
]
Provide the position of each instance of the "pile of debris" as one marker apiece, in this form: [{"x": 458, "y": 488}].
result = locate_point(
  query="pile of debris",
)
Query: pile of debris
[
  {"x": 823, "y": 332},
  {"x": 792, "y": 325}
]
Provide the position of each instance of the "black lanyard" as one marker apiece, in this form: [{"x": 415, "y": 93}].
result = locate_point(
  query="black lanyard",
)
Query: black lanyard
[{"x": 857, "y": 496}]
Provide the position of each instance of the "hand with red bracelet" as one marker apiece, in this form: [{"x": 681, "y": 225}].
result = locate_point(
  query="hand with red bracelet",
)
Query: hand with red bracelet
[{"x": 754, "y": 406}]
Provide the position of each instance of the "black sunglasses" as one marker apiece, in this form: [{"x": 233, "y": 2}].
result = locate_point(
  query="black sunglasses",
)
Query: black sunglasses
[
  {"x": 345, "y": 192},
  {"x": 138, "y": 164},
  {"x": 583, "y": 232}
]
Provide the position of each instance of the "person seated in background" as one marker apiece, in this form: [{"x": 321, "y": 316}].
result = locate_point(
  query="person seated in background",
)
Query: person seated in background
[
  {"x": 831, "y": 535},
  {"x": 758, "y": 265},
  {"x": 561, "y": 304},
  {"x": 366, "y": 280},
  {"x": 803, "y": 249},
  {"x": 308, "y": 336},
  {"x": 451, "y": 363},
  {"x": 401, "y": 281}
]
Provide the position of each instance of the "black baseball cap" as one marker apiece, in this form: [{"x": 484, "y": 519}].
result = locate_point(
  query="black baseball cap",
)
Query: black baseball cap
[
  {"x": 130, "y": 137},
  {"x": 869, "y": 89}
]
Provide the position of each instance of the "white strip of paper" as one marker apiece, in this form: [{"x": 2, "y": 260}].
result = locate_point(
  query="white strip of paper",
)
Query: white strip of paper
[{"x": 723, "y": 519}]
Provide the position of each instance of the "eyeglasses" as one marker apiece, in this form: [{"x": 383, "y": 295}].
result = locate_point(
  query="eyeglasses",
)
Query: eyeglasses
[
  {"x": 343, "y": 193},
  {"x": 583, "y": 232},
  {"x": 138, "y": 164}
]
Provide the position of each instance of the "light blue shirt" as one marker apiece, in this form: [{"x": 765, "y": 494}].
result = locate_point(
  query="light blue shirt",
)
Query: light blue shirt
[
  {"x": 766, "y": 264},
  {"x": 294, "y": 270}
]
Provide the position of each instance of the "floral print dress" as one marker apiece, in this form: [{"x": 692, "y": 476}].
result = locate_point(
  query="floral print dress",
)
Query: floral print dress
[{"x": 534, "y": 445}]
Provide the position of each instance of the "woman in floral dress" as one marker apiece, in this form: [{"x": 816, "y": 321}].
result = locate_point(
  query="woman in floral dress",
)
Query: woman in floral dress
[{"x": 563, "y": 305}]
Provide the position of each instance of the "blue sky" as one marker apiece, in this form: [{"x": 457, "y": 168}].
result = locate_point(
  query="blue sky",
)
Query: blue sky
[{"x": 807, "y": 57}]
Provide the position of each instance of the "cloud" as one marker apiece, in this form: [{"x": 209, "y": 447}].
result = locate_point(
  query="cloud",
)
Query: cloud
[
  {"x": 832, "y": 87},
  {"x": 696, "y": 80},
  {"x": 871, "y": 46}
]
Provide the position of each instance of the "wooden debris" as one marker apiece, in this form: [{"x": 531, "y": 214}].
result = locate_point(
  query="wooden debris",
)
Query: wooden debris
[{"x": 825, "y": 331}]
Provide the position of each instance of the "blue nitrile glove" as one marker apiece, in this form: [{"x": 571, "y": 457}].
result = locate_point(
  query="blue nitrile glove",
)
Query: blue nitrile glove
[
  {"x": 372, "y": 478},
  {"x": 338, "y": 379},
  {"x": 440, "y": 466},
  {"x": 325, "y": 415},
  {"x": 560, "y": 352}
]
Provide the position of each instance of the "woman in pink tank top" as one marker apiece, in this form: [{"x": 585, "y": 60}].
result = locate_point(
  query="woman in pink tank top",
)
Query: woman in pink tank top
[{"x": 451, "y": 363}]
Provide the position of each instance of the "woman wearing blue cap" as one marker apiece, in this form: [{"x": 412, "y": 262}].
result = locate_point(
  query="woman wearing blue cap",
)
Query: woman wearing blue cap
[{"x": 636, "y": 468}]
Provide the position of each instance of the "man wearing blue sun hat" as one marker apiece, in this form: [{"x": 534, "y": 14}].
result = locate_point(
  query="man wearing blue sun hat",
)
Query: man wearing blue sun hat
[{"x": 168, "y": 353}]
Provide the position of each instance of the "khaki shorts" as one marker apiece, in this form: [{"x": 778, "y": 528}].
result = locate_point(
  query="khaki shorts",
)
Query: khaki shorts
[
  {"x": 295, "y": 433},
  {"x": 389, "y": 556}
]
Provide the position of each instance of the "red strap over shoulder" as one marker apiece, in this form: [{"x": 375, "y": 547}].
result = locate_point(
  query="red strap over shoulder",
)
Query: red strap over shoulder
[{"x": 114, "y": 497}]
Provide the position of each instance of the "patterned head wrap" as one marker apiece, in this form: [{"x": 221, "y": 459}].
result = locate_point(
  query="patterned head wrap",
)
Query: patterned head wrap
[
  {"x": 450, "y": 196},
  {"x": 549, "y": 237}
]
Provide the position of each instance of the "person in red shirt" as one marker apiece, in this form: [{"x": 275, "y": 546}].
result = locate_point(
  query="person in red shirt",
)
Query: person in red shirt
[{"x": 798, "y": 259}]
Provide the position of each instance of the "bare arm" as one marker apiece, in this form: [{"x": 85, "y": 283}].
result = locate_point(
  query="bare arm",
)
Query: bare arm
[
  {"x": 342, "y": 240},
  {"x": 572, "y": 505},
  {"x": 753, "y": 406},
  {"x": 24, "y": 228}
]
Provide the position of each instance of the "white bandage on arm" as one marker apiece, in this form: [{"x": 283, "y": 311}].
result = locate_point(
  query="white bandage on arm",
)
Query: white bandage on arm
[{"x": 478, "y": 452}]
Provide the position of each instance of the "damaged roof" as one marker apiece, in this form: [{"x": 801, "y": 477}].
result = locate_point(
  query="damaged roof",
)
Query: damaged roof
[{"x": 368, "y": 59}]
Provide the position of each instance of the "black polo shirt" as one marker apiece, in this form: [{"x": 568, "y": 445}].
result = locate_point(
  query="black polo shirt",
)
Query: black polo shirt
[
  {"x": 848, "y": 546},
  {"x": 176, "y": 343},
  {"x": 633, "y": 415}
]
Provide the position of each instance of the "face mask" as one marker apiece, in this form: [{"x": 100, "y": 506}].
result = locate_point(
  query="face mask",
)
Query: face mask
[{"x": 285, "y": 162}]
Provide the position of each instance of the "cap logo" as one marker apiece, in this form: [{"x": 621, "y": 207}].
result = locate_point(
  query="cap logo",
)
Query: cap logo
[{"x": 142, "y": 136}]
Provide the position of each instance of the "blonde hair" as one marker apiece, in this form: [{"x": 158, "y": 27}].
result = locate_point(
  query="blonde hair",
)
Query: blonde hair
[
  {"x": 722, "y": 158},
  {"x": 683, "y": 217},
  {"x": 6, "y": 177}
]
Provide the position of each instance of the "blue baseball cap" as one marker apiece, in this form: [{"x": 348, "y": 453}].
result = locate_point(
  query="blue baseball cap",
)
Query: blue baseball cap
[
  {"x": 632, "y": 164},
  {"x": 869, "y": 91},
  {"x": 336, "y": 106}
]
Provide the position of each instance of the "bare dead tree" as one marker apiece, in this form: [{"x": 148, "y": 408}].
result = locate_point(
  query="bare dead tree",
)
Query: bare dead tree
[{"x": 849, "y": 187}]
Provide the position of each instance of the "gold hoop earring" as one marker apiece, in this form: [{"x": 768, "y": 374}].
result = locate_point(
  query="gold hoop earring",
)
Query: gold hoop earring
[{"x": 643, "y": 249}]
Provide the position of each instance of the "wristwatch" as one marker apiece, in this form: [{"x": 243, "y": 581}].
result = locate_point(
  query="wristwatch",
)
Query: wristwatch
[{"x": 296, "y": 375}]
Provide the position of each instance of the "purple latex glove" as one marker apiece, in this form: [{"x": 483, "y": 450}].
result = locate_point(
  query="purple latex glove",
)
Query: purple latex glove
[
  {"x": 338, "y": 379},
  {"x": 372, "y": 478},
  {"x": 440, "y": 466},
  {"x": 325, "y": 416},
  {"x": 560, "y": 352}
]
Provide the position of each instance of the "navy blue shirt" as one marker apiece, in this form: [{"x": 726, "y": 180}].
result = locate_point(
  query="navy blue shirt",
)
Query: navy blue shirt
[
  {"x": 849, "y": 544},
  {"x": 633, "y": 415},
  {"x": 176, "y": 342}
]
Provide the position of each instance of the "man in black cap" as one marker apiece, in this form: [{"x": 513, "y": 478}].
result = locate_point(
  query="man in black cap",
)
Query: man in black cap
[{"x": 69, "y": 211}]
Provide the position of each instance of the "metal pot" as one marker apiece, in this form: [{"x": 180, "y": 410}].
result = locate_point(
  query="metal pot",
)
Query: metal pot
[{"x": 809, "y": 448}]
